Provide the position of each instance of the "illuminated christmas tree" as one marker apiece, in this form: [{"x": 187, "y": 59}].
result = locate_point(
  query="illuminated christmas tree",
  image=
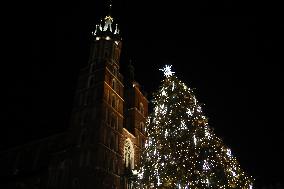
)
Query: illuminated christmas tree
[{"x": 181, "y": 150}]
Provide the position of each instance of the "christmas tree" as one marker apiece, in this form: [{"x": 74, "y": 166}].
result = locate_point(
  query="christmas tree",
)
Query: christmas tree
[{"x": 181, "y": 150}]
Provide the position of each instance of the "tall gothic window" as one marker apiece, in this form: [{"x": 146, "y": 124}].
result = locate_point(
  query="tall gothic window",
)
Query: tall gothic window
[
  {"x": 113, "y": 102},
  {"x": 112, "y": 142},
  {"x": 116, "y": 142},
  {"x": 142, "y": 127},
  {"x": 113, "y": 121},
  {"x": 113, "y": 84},
  {"x": 141, "y": 108},
  {"x": 114, "y": 71},
  {"x": 128, "y": 154},
  {"x": 91, "y": 81},
  {"x": 106, "y": 115},
  {"x": 92, "y": 67}
]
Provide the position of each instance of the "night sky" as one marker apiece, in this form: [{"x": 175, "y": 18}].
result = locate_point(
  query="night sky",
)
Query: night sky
[{"x": 226, "y": 51}]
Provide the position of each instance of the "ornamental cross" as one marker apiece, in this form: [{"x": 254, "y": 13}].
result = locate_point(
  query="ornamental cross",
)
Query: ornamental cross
[{"x": 167, "y": 70}]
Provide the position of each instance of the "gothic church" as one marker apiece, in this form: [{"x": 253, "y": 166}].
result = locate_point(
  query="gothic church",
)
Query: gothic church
[{"x": 102, "y": 147}]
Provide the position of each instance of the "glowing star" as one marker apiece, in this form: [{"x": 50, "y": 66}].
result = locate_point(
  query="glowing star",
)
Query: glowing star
[{"x": 167, "y": 70}]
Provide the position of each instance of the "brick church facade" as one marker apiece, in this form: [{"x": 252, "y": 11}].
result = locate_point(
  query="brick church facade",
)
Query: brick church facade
[{"x": 103, "y": 145}]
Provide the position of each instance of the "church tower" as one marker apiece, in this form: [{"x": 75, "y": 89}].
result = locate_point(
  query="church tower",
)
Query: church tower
[{"x": 108, "y": 119}]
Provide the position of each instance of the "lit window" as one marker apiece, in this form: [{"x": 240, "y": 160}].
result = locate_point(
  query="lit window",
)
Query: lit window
[{"x": 128, "y": 154}]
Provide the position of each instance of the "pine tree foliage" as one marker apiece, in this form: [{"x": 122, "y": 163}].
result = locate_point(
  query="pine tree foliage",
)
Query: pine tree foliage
[{"x": 182, "y": 151}]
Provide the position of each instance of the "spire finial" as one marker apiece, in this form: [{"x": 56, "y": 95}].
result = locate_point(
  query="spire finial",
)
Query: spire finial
[{"x": 109, "y": 7}]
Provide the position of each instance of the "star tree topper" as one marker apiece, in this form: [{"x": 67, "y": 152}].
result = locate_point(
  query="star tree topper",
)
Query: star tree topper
[{"x": 167, "y": 70}]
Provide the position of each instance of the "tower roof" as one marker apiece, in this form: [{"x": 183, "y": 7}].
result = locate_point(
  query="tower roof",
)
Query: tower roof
[{"x": 107, "y": 27}]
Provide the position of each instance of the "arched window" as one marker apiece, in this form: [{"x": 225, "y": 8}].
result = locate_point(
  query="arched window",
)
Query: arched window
[
  {"x": 116, "y": 142},
  {"x": 142, "y": 127},
  {"x": 106, "y": 115},
  {"x": 117, "y": 123},
  {"x": 112, "y": 142},
  {"x": 92, "y": 68},
  {"x": 113, "y": 101},
  {"x": 117, "y": 104},
  {"x": 128, "y": 154},
  {"x": 91, "y": 81},
  {"x": 141, "y": 108},
  {"x": 114, "y": 71},
  {"x": 113, "y": 121},
  {"x": 113, "y": 84}
]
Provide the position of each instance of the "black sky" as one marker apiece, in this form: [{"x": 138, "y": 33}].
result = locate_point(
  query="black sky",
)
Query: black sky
[{"x": 226, "y": 50}]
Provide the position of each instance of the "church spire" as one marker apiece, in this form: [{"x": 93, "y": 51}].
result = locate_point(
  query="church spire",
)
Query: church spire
[{"x": 106, "y": 28}]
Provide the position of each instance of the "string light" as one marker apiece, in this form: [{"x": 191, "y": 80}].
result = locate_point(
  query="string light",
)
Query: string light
[{"x": 181, "y": 150}]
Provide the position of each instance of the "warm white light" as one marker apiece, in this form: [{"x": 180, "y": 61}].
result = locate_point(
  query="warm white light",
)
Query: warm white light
[
  {"x": 183, "y": 125},
  {"x": 194, "y": 139},
  {"x": 97, "y": 38},
  {"x": 207, "y": 134},
  {"x": 198, "y": 108},
  {"x": 164, "y": 93},
  {"x": 167, "y": 70},
  {"x": 229, "y": 153},
  {"x": 107, "y": 38},
  {"x": 189, "y": 113},
  {"x": 134, "y": 172},
  {"x": 206, "y": 165}
]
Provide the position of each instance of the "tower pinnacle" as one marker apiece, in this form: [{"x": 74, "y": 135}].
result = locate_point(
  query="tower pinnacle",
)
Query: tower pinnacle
[{"x": 106, "y": 28}]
